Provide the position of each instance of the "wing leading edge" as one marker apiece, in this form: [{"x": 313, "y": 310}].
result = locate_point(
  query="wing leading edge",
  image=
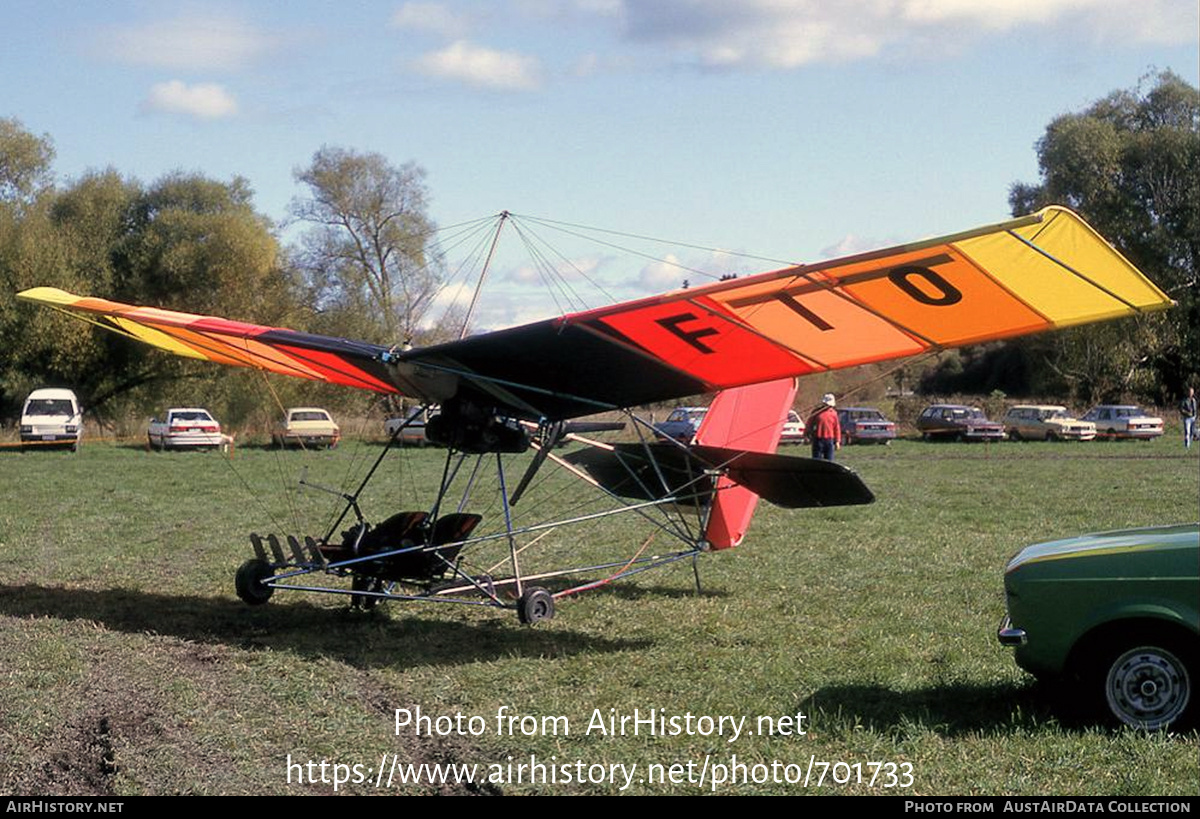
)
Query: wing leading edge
[{"x": 1041, "y": 272}]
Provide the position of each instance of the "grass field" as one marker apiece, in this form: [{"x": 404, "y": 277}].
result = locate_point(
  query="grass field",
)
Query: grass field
[{"x": 128, "y": 665}]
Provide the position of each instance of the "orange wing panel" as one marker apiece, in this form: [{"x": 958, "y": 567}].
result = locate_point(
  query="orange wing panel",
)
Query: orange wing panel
[
  {"x": 830, "y": 329},
  {"x": 941, "y": 296}
]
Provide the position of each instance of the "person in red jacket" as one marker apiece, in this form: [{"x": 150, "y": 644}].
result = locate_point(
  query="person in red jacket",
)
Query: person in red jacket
[{"x": 824, "y": 429}]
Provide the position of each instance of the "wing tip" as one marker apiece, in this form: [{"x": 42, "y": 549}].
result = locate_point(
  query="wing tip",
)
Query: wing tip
[{"x": 47, "y": 295}]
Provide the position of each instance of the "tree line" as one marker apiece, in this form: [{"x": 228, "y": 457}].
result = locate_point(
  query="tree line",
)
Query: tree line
[{"x": 366, "y": 267}]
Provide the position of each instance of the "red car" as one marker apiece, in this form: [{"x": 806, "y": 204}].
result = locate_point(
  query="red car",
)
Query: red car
[{"x": 957, "y": 422}]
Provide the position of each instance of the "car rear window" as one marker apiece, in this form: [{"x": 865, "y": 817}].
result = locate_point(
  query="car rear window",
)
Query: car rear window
[{"x": 50, "y": 406}]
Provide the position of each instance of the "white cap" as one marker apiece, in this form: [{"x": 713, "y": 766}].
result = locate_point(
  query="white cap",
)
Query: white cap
[{"x": 829, "y": 400}]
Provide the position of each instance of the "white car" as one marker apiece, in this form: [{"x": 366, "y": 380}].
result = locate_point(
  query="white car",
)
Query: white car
[
  {"x": 1124, "y": 421},
  {"x": 186, "y": 428},
  {"x": 1046, "y": 422},
  {"x": 793, "y": 429},
  {"x": 411, "y": 427},
  {"x": 51, "y": 417},
  {"x": 307, "y": 427}
]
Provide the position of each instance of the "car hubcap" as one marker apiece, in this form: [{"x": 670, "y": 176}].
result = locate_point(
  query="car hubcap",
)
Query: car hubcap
[{"x": 1147, "y": 688}]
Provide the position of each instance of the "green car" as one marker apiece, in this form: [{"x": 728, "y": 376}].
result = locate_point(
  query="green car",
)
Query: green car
[{"x": 1117, "y": 613}]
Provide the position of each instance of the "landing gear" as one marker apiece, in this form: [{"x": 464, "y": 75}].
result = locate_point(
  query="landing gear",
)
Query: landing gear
[
  {"x": 535, "y": 605},
  {"x": 249, "y": 582}
]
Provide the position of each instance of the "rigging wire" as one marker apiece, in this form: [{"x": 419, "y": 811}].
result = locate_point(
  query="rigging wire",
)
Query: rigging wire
[
  {"x": 563, "y": 228},
  {"x": 532, "y": 240},
  {"x": 562, "y": 224}
]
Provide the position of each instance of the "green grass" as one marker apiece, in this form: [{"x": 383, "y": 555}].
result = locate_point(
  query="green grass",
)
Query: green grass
[{"x": 128, "y": 665}]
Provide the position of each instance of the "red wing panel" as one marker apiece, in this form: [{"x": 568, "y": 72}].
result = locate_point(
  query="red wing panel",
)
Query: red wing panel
[
  {"x": 706, "y": 341},
  {"x": 336, "y": 369}
]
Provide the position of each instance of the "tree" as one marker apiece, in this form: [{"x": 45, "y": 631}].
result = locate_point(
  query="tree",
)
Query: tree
[
  {"x": 25, "y": 162},
  {"x": 1130, "y": 164},
  {"x": 187, "y": 243},
  {"x": 367, "y": 256}
]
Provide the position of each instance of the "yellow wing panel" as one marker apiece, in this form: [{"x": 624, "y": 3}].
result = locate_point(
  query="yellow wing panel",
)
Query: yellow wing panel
[
  {"x": 156, "y": 338},
  {"x": 1065, "y": 270}
]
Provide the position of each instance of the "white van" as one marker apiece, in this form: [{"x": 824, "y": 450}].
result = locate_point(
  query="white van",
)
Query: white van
[{"x": 51, "y": 417}]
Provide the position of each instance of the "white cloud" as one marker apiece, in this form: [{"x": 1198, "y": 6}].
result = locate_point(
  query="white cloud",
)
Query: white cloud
[
  {"x": 203, "y": 100},
  {"x": 851, "y": 245},
  {"x": 481, "y": 67},
  {"x": 660, "y": 276},
  {"x": 567, "y": 271},
  {"x": 563, "y": 11},
  {"x": 434, "y": 18},
  {"x": 187, "y": 43},
  {"x": 524, "y": 275},
  {"x": 787, "y": 34}
]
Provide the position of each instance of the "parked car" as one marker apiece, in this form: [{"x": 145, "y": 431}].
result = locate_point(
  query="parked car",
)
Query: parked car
[
  {"x": 1114, "y": 618},
  {"x": 863, "y": 425},
  {"x": 1046, "y": 422},
  {"x": 411, "y": 426},
  {"x": 957, "y": 422},
  {"x": 308, "y": 427},
  {"x": 682, "y": 424},
  {"x": 185, "y": 428},
  {"x": 1124, "y": 421},
  {"x": 793, "y": 429},
  {"x": 51, "y": 417}
]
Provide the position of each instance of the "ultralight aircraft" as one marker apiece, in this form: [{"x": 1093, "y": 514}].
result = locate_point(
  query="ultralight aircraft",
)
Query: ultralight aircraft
[{"x": 747, "y": 340}]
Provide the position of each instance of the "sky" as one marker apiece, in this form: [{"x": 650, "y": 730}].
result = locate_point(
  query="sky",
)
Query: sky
[{"x": 791, "y": 130}]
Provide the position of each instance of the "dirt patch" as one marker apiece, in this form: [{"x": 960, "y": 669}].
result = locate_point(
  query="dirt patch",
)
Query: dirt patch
[
  {"x": 84, "y": 755},
  {"x": 164, "y": 716}
]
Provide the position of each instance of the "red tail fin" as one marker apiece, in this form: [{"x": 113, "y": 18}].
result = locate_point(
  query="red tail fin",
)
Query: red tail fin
[{"x": 749, "y": 418}]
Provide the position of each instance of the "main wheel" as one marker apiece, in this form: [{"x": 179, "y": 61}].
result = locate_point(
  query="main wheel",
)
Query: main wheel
[
  {"x": 1148, "y": 686},
  {"x": 536, "y": 604},
  {"x": 249, "y": 581}
]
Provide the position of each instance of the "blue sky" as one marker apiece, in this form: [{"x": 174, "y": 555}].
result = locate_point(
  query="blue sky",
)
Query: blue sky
[{"x": 790, "y": 129}]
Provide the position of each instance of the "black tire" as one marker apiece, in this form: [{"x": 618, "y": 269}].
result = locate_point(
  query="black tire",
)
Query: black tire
[
  {"x": 364, "y": 583},
  {"x": 535, "y": 605},
  {"x": 1148, "y": 683},
  {"x": 249, "y": 581}
]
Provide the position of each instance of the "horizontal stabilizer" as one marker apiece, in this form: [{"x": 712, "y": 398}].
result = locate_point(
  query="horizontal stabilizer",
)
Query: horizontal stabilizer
[
  {"x": 663, "y": 470},
  {"x": 787, "y": 480},
  {"x": 647, "y": 472}
]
